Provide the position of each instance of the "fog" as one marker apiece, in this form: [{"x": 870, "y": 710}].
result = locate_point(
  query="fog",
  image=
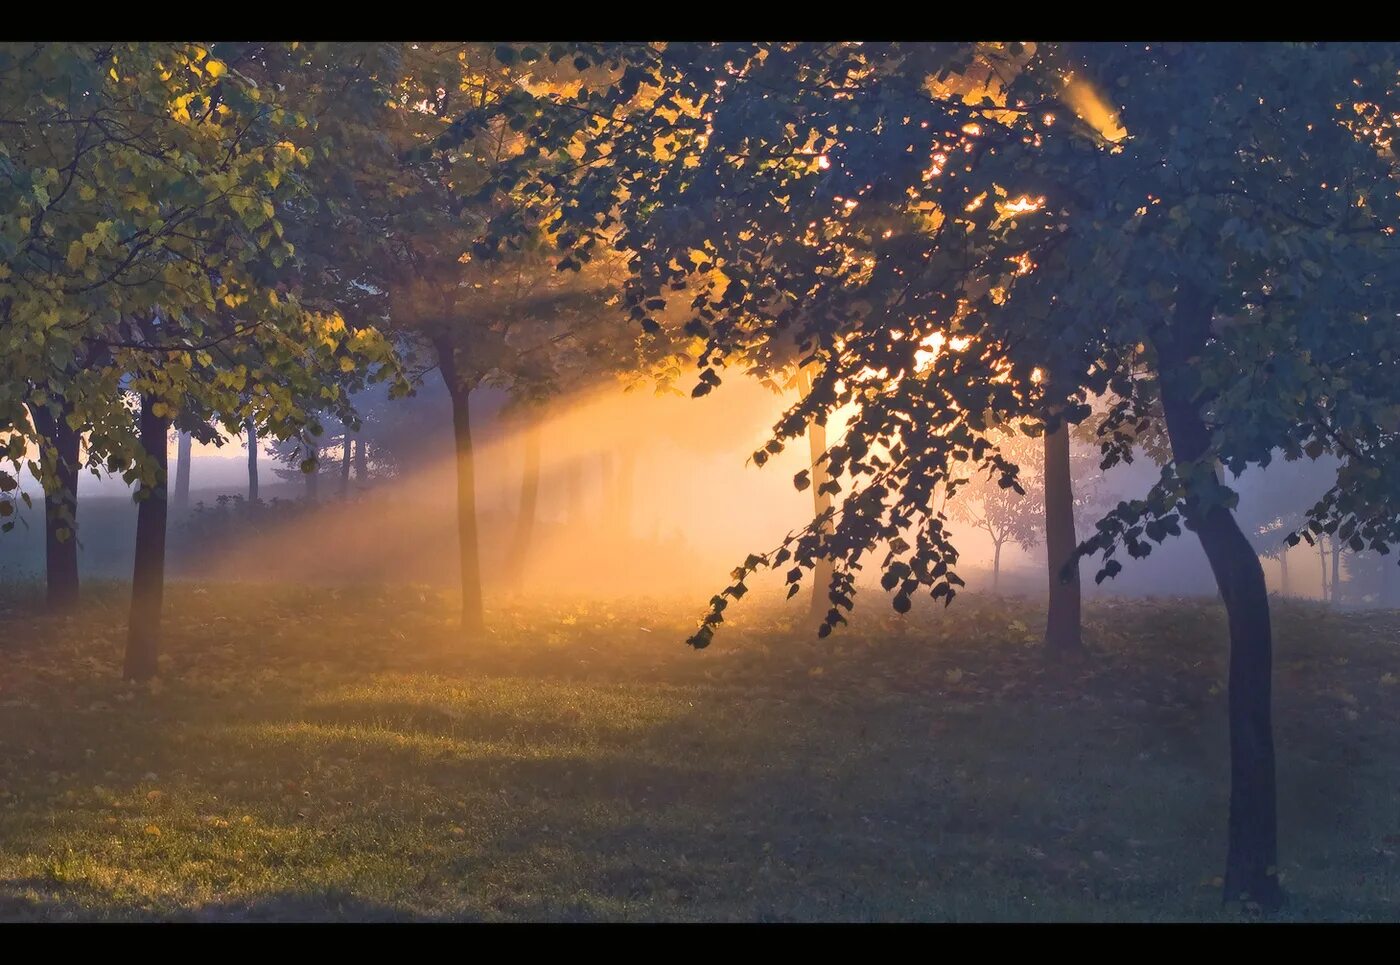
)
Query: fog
[{"x": 640, "y": 493}]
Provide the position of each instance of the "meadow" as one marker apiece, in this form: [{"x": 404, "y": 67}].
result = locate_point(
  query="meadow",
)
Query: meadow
[{"x": 341, "y": 754}]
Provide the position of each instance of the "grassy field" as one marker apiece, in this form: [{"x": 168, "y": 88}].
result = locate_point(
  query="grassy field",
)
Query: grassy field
[{"x": 323, "y": 754}]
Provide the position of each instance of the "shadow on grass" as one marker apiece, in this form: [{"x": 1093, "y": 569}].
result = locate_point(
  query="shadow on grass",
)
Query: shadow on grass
[{"x": 279, "y": 783}]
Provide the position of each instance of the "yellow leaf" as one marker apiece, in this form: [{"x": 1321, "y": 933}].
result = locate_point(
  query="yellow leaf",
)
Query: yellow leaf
[
  {"x": 77, "y": 255},
  {"x": 216, "y": 69},
  {"x": 152, "y": 830}
]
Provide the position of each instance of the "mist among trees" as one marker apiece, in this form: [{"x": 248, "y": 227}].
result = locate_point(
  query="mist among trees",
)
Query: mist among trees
[{"x": 873, "y": 451}]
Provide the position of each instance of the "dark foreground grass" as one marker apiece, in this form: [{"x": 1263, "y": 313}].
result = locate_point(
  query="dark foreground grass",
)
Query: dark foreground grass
[{"x": 322, "y": 754}]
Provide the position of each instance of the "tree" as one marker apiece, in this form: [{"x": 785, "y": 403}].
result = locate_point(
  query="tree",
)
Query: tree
[
  {"x": 160, "y": 262},
  {"x": 455, "y": 114},
  {"x": 1273, "y": 504},
  {"x": 250, "y": 430},
  {"x": 1216, "y": 270},
  {"x": 1001, "y": 512},
  {"x": 183, "y": 450}
]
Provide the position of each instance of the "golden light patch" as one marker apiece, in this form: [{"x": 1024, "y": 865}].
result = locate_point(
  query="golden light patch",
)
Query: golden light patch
[{"x": 1093, "y": 108}]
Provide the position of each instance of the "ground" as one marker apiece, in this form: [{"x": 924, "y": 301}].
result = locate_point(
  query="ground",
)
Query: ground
[{"x": 316, "y": 753}]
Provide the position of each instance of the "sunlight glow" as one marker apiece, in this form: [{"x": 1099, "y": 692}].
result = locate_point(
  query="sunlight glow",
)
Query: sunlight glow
[{"x": 1091, "y": 106}]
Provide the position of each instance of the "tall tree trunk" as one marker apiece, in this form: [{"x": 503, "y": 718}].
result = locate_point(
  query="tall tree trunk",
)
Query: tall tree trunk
[
  {"x": 183, "y": 450},
  {"x": 529, "y": 503},
  {"x": 345, "y": 459},
  {"x": 821, "y": 501},
  {"x": 1251, "y": 872},
  {"x": 252, "y": 461},
  {"x": 1322, "y": 565},
  {"x": 313, "y": 478},
  {"x": 1283, "y": 571},
  {"x": 60, "y": 509},
  {"x": 1062, "y": 620},
  {"x": 1336, "y": 570},
  {"x": 148, "y": 571},
  {"x": 996, "y": 569},
  {"x": 473, "y": 613},
  {"x": 361, "y": 459}
]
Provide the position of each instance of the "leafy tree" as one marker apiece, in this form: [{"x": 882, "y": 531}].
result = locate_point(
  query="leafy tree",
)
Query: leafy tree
[
  {"x": 452, "y": 118},
  {"x": 1214, "y": 258},
  {"x": 145, "y": 260},
  {"x": 1001, "y": 512}
]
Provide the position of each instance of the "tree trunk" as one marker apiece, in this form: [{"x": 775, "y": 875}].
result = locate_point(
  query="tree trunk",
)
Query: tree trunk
[
  {"x": 183, "y": 450},
  {"x": 1062, "y": 621},
  {"x": 996, "y": 570},
  {"x": 252, "y": 461},
  {"x": 148, "y": 572},
  {"x": 361, "y": 459},
  {"x": 345, "y": 459},
  {"x": 1336, "y": 570},
  {"x": 473, "y": 614},
  {"x": 60, "y": 510},
  {"x": 313, "y": 478},
  {"x": 1322, "y": 569},
  {"x": 529, "y": 503},
  {"x": 1251, "y": 872},
  {"x": 821, "y": 502}
]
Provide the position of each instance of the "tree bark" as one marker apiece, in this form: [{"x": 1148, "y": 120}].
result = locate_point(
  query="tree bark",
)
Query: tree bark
[
  {"x": 473, "y": 613},
  {"x": 183, "y": 450},
  {"x": 821, "y": 502},
  {"x": 529, "y": 504},
  {"x": 1336, "y": 570},
  {"x": 148, "y": 571},
  {"x": 62, "y": 587},
  {"x": 1283, "y": 571},
  {"x": 996, "y": 570},
  {"x": 252, "y": 461},
  {"x": 1251, "y": 872},
  {"x": 1062, "y": 620}
]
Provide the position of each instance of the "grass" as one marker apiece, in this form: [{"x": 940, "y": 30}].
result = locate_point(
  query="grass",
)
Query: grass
[{"x": 313, "y": 754}]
